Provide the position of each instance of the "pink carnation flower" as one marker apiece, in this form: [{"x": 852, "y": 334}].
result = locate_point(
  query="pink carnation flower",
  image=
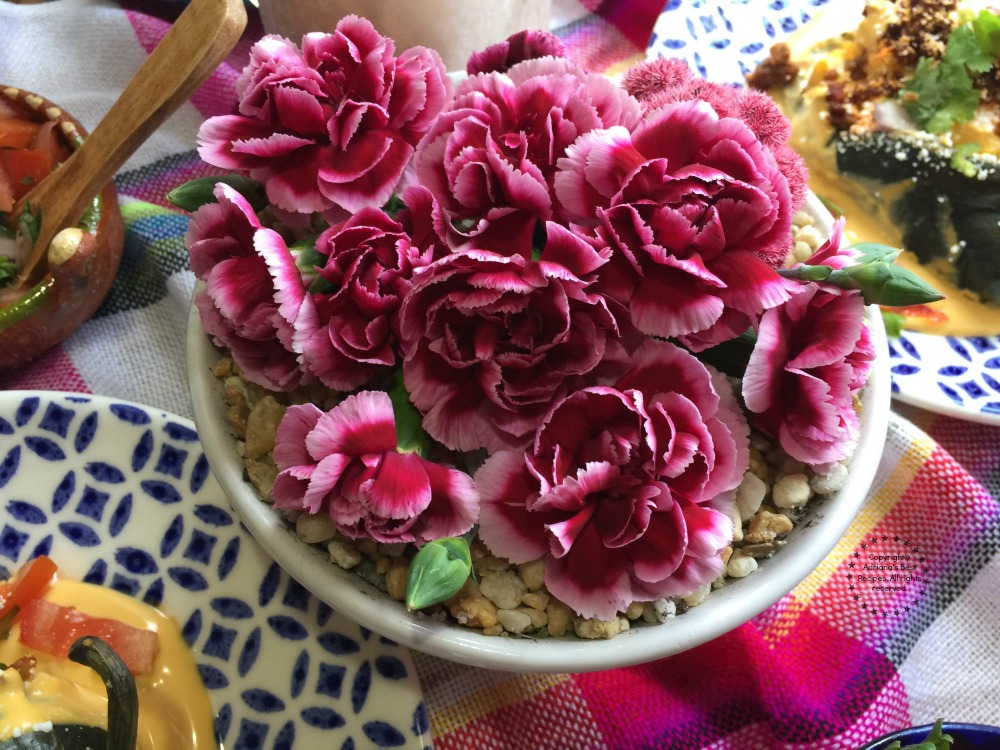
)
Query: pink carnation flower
[
  {"x": 625, "y": 493},
  {"x": 490, "y": 158},
  {"x": 665, "y": 81},
  {"x": 345, "y": 462},
  {"x": 252, "y": 284},
  {"x": 350, "y": 334},
  {"x": 491, "y": 341},
  {"x": 333, "y": 126},
  {"x": 524, "y": 45},
  {"x": 813, "y": 354},
  {"x": 697, "y": 214}
]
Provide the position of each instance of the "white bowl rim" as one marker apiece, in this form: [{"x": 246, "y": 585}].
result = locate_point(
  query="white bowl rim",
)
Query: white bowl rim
[{"x": 725, "y": 609}]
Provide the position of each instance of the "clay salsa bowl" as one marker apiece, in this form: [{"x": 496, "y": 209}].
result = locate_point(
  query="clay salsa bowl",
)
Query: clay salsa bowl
[{"x": 82, "y": 260}]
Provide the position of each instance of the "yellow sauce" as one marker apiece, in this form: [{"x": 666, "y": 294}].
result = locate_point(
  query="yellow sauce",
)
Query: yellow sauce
[
  {"x": 865, "y": 203},
  {"x": 175, "y": 712}
]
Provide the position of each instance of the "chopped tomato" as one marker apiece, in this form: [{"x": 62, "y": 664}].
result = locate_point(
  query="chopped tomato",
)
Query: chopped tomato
[
  {"x": 52, "y": 628},
  {"x": 30, "y": 583},
  {"x": 25, "y": 168},
  {"x": 6, "y": 192},
  {"x": 16, "y": 132},
  {"x": 923, "y": 312}
]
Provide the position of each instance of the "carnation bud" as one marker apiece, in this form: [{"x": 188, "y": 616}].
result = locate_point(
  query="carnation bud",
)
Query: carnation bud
[
  {"x": 194, "y": 194},
  {"x": 438, "y": 572},
  {"x": 884, "y": 283}
]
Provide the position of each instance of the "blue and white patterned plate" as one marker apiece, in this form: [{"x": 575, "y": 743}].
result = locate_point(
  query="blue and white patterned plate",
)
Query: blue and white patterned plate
[
  {"x": 121, "y": 495},
  {"x": 725, "y": 39}
]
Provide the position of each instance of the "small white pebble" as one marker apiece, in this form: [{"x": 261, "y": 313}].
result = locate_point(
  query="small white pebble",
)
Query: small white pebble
[
  {"x": 315, "y": 529},
  {"x": 344, "y": 554},
  {"x": 513, "y": 621},
  {"x": 791, "y": 491},
  {"x": 740, "y": 565},
  {"x": 503, "y": 588},
  {"x": 661, "y": 610},
  {"x": 749, "y": 495},
  {"x": 697, "y": 596},
  {"x": 810, "y": 236},
  {"x": 594, "y": 629},
  {"x": 833, "y": 480},
  {"x": 801, "y": 252}
]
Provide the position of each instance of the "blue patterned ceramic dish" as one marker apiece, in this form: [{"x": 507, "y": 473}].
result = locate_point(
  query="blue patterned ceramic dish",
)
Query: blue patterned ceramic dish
[
  {"x": 121, "y": 495},
  {"x": 725, "y": 39}
]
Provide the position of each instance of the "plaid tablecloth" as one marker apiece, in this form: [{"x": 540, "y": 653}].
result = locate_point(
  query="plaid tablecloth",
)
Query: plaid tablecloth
[{"x": 828, "y": 666}]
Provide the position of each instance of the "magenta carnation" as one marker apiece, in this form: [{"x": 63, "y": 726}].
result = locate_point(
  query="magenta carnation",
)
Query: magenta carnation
[
  {"x": 349, "y": 334},
  {"x": 345, "y": 462},
  {"x": 330, "y": 127},
  {"x": 251, "y": 286},
  {"x": 659, "y": 82},
  {"x": 524, "y": 45},
  {"x": 490, "y": 158},
  {"x": 492, "y": 341},
  {"x": 812, "y": 356},
  {"x": 697, "y": 214},
  {"x": 620, "y": 493}
]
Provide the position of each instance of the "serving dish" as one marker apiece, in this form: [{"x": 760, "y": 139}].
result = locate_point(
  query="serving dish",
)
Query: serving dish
[
  {"x": 121, "y": 495},
  {"x": 958, "y": 376},
  {"x": 726, "y": 608},
  {"x": 966, "y": 736},
  {"x": 82, "y": 263}
]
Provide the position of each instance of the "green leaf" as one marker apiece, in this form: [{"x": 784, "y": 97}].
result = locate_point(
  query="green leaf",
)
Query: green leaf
[
  {"x": 964, "y": 48},
  {"x": 194, "y": 194},
  {"x": 438, "y": 572},
  {"x": 936, "y": 740},
  {"x": 872, "y": 251},
  {"x": 986, "y": 27},
  {"x": 410, "y": 435},
  {"x": 8, "y": 271},
  {"x": 960, "y": 159},
  {"x": 893, "y": 323}
]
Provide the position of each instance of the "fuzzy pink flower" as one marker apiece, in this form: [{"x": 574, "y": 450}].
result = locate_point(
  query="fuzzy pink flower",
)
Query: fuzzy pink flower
[
  {"x": 330, "y": 127},
  {"x": 251, "y": 285},
  {"x": 697, "y": 215},
  {"x": 491, "y": 341},
  {"x": 625, "y": 493},
  {"x": 490, "y": 158},
  {"x": 345, "y": 462},
  {"x": 812, "y": 356},
  {"x": 349, "y": 333},
  {"x": 524, "y": 45},
  {"x": 664, "y": 81}
]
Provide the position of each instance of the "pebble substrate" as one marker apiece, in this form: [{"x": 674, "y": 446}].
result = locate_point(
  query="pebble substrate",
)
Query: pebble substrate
[{"x": 503, "y": 599}]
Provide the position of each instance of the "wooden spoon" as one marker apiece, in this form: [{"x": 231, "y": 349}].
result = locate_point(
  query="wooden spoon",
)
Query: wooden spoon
[{"x": 194, "y": 46}]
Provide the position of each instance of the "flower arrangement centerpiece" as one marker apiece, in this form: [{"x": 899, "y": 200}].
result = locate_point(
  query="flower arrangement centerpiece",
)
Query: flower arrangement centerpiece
[{"x": 535, "y": 318}]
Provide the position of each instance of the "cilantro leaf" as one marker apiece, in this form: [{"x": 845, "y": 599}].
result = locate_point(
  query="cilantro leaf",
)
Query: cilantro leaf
[
  {"x": 986, "y": 27},
  {"x": 8, "y": 271},
  {"x": 960, "y": 159},
  {"x": 941, "y": 92},
  {"x": 964, "y": 48},
  {"x": 939, "y": 95}
]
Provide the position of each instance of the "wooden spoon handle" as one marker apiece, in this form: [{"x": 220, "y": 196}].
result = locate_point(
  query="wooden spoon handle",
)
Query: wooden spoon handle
[{"x": 194, "y": 46}]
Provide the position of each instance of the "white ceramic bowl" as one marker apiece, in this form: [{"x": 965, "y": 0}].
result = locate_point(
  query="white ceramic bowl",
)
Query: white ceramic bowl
[{"x": 812, "y": 539}]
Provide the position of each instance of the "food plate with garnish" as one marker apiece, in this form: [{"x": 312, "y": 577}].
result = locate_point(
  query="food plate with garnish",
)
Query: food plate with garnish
[
  {"x": 900, "y": 134},
  {"x": 120, "y": 498}
]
